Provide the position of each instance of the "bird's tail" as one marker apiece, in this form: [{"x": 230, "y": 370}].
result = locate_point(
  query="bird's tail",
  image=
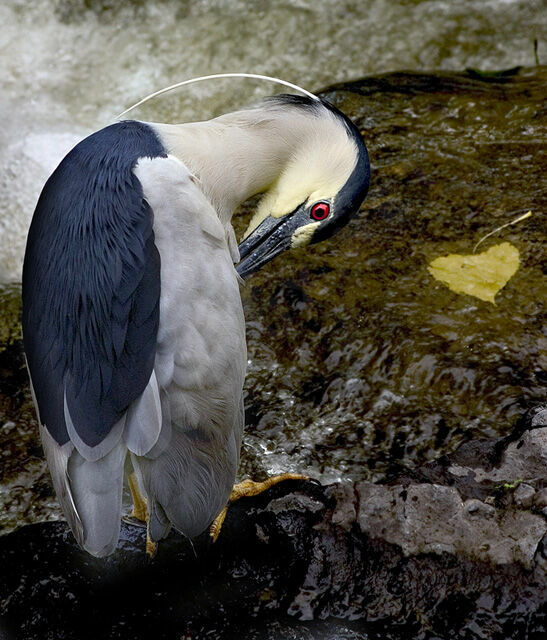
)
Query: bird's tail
[
  {"x": 89, "y": 480},
  {"x": 90, "y": 492}
]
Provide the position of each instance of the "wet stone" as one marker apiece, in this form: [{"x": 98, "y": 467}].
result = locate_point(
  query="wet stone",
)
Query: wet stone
[
  {"x": 300, "y": 561},
  {"x": 294, "y": 502}
]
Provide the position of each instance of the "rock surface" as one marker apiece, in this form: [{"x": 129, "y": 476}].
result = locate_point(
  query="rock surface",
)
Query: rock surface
[
  {"x": 361, "y": 368},
  {"x": 417, "y": 558}
]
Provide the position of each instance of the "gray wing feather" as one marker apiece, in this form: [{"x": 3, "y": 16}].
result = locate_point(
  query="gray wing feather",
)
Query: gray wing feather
[
  {"x": 90, "y": 492},
  {"x": 57, "y": 457},
  {"x": 144, "y": 420}
]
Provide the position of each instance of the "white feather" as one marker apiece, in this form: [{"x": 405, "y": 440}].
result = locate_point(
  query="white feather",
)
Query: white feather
[
  {"x": 57, "y": 457},
  {"x": 216, "y": 76}
]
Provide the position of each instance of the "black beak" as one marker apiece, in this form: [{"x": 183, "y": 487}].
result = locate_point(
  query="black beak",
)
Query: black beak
[{"x": 269, "y": 239}]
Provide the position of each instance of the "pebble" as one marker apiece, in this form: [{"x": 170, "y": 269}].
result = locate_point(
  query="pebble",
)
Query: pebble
[{"x": 524, "y": 496}]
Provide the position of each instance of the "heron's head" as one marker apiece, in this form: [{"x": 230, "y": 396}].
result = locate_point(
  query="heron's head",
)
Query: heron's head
[{"x": 319, "y": 190}]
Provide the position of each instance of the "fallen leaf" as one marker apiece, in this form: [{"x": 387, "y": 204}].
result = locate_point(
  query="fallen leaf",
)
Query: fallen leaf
[{"x": 481, "y": 275}]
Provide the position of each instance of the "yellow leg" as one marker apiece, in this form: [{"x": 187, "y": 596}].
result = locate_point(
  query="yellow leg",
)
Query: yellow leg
[
  {"x": 151, "y": 546},
  {"x": 248, "y": 488},
  {"x": 140, "y": 511}
]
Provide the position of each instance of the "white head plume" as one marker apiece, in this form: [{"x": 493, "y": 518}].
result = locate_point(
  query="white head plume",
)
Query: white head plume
[{"x": 214, "y": 76}]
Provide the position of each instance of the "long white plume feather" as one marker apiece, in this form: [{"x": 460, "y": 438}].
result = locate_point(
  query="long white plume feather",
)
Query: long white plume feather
[{"x": 256, "y": 76}]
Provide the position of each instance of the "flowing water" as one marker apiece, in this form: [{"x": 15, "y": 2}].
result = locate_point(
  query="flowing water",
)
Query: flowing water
[{"x": 358, "y": 361}]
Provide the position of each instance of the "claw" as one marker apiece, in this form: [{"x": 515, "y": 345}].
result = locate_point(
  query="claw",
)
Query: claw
[
  {"x": 248, "y": 488},
  {"x": 151, "y": 546}
]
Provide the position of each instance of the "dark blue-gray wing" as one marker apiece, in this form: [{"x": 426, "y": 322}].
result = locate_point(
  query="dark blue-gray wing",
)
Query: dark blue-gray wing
[{"x": 91, "y": 285}]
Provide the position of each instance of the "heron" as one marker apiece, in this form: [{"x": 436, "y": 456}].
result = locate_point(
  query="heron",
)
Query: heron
[{"x": 133, "y": 323}]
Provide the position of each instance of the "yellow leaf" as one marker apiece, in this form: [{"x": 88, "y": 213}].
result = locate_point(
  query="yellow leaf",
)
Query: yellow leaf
[{"x": 481, "y": 275}]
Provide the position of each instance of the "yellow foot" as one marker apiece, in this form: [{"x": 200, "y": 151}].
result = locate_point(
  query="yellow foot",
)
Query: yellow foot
[
  {"x": 151, "y": 546},
  {"x": 140, "y": 512},
  {"x": 248, "y": 488}
]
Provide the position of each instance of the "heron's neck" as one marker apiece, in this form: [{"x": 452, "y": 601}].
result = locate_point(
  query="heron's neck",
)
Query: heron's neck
[{"x": 237, "y": 155}]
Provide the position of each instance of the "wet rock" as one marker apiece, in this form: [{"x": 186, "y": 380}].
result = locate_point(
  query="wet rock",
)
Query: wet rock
[
  {"x": 512, "y": 467},
  {"x": 362, "y": 362},
  {"x": 429, "y": 518},
  {"x": 402, "y": 517},
  {"x": 301, "y": 561},
  {"x": 10, "y": 315},
  {"x": 540, "y": 499},
  {"x": 26, "y": 494}
]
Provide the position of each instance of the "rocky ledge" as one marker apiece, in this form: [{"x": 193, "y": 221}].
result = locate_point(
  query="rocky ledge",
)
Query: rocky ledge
[{"x": 455, "y": 549}]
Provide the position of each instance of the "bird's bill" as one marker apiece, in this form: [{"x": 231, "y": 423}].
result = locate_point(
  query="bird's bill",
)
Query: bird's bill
[{"x": 269, "y": 239}]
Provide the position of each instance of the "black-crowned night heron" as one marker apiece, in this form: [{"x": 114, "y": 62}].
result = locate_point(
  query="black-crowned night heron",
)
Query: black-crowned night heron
[{"x": 132, "y": 317}]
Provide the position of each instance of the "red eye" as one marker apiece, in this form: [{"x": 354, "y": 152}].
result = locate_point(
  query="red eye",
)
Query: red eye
[{"x": 320, "y": 211}]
